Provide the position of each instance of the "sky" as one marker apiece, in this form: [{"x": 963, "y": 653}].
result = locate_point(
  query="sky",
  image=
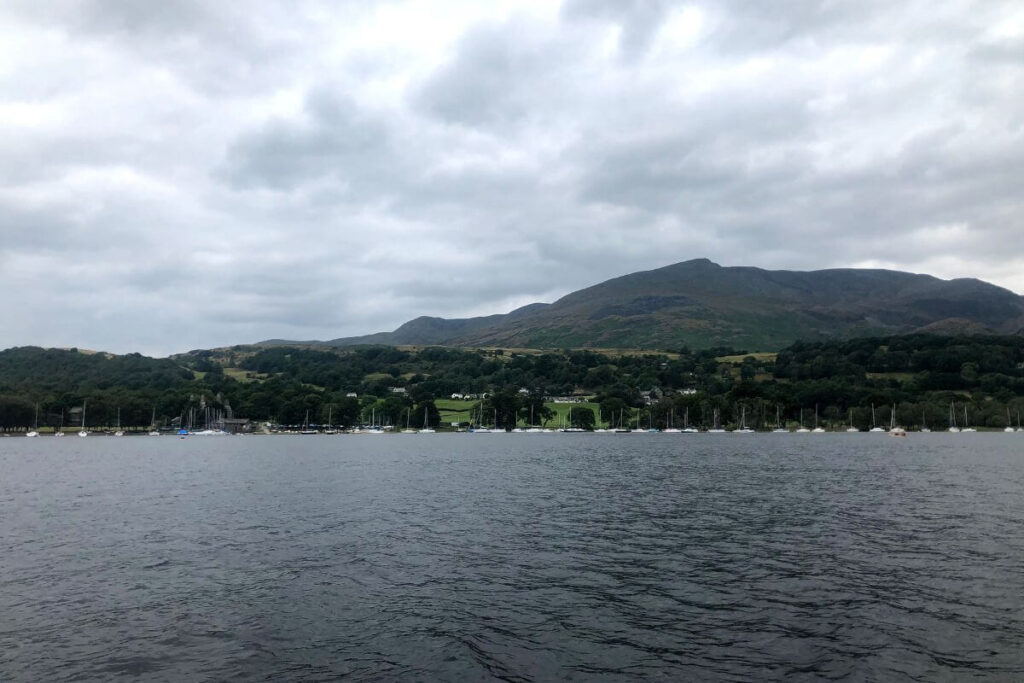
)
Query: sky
[{"x": 191, "y": 174}]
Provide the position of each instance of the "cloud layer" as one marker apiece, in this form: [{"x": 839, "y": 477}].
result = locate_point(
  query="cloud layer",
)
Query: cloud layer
[{"x": 197, "y": 174}]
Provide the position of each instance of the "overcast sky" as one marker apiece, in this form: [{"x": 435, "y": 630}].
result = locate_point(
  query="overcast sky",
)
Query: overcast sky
[{"x": 188, "y": 173}]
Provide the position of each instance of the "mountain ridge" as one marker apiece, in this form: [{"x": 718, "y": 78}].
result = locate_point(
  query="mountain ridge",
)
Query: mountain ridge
[{"x": 701, "y": 304}]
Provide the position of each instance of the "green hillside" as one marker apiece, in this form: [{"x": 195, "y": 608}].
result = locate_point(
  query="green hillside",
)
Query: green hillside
[{"x": 701, "y": 304}]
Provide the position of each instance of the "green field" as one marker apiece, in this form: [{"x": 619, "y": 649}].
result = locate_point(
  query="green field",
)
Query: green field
[
  {"x": 242, "y": 375},
  {"x": 898, "y": 376},
  {"x": 757, "y": 355},
  {"x": 562, "y": 412},
  {"x": 455, "y": 410}
]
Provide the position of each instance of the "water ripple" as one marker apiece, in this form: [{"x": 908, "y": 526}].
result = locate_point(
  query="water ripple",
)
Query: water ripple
[{"x": 560, "y": 557}]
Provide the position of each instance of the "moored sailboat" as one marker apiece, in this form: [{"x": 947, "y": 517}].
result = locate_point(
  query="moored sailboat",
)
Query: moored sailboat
[
  {"x": 35, "y": 429},
  {"x": 687, "y": 427},
  {"x": 715, "y": 428},
  {"x": 874, "y": 427},
  {"x": 817, "y": 429},
  {"x": 426, "y": 425},
  {"x": 893, "y": 429},
  {"x": 801, "y": 429},
  {"x": 153, "y": 431},
  {"x": 966, "y": 427},
  {"x": 851, "y": 429},
  {"x": 743, "y": 422},
  {"x": 83, "y": 432},
  {"x": 779, "y": 429},
  {"x": 670, "y": 428}
]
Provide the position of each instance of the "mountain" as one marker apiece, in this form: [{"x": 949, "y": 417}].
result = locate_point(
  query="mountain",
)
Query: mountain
[{"x": 701, "y": 304}]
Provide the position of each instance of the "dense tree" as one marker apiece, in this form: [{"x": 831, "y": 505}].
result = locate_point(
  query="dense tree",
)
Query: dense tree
[
  {"x": 533, "y": 411},
  {"x": 614, "y": 411},
  {"x": 582, "y": 417},
  {"x": 921, "y": 374},
  {"x": 503, "y": 404}
]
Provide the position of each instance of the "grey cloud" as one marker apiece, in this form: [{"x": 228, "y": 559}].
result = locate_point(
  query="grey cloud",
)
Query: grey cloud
[
  {"x": 118, "y": 16},
  {"x": 638, "y": 20},
  {"x": 185, "y": 200},
  {"x": 500, "y": 74},
  {"x": 705, "y": 152},
  {"x": 218, "y": 49},
  {"x": 338, "y": 141},
  {"x": 1009, "y": 51},
  {"x": 750, "y": 27}
]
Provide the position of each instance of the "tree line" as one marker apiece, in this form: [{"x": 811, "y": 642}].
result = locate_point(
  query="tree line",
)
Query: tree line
[{"x": 837, "y": 381}]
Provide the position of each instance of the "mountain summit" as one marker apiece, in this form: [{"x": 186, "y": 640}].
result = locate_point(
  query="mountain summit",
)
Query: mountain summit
[{"x": 701, "y": 304}]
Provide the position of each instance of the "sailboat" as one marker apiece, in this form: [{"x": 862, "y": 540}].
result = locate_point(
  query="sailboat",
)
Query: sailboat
[
  {"x": 924, "y": 421},
  {"x": 952, "y": 419},
  {"x": 536, "y": 429},
  {"x": 305, "y": 425},
  {"x": 119, "y": 432},
  {"x": 330, "y": 421},
  {"x": 670, "y": 428},
  {"x": 408, "y": 422},
  {"x": 1009, "y": 427},
  {"x": 638, "y": 430},
  {"x": 851, "y": 429},
  {"x": 874, "y": 425},
  {"x": 817, "y": 429},
  {"x": 779, "y": 429},
  {"x": 743, "y": 422},
  {"x": 650, "y": 422},
  {"x": 60, "y": 429},
  {"x": 476, "y": 425},
  {"x": 715, "y": 428},
  {"x": 82, "y": 432},
  {"x": 966, "y": 428},
  {"x": 802, "y": 429},
  {"x": 426, "y": 426},
  {"x": 567, "y": 423},
  {"x": 622, "y": 428},
  {"x": 687, "y": 427},
  {"x": 893, "y": 429},
  {"x": 35, "y": 429},
  {"x": 374, "y": 427},
  {"x": 153, "y": 431}
]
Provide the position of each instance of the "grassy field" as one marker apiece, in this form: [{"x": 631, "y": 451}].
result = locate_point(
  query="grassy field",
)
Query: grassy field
[
  {"x": 454, "y": 410},
  {"x": 758, "y": 355},
  {"x": 243, "y": 375},
  {"x": 898, "y": 376},
  {"x": 375, "y": 376},
  {"x": 562, "y": 412}
]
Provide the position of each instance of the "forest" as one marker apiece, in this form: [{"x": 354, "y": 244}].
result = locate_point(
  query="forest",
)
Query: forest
[{"x": 980, "y": 377}]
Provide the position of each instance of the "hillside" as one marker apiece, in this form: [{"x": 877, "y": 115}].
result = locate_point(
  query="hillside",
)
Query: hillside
[{"x": 701, "y": 304}]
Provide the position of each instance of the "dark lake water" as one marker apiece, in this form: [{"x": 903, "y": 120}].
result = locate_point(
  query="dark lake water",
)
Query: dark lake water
[{"x": 513, "y": 556}]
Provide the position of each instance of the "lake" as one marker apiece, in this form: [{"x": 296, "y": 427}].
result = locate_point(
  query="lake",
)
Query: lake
[{"x": 515, "y": 557}]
